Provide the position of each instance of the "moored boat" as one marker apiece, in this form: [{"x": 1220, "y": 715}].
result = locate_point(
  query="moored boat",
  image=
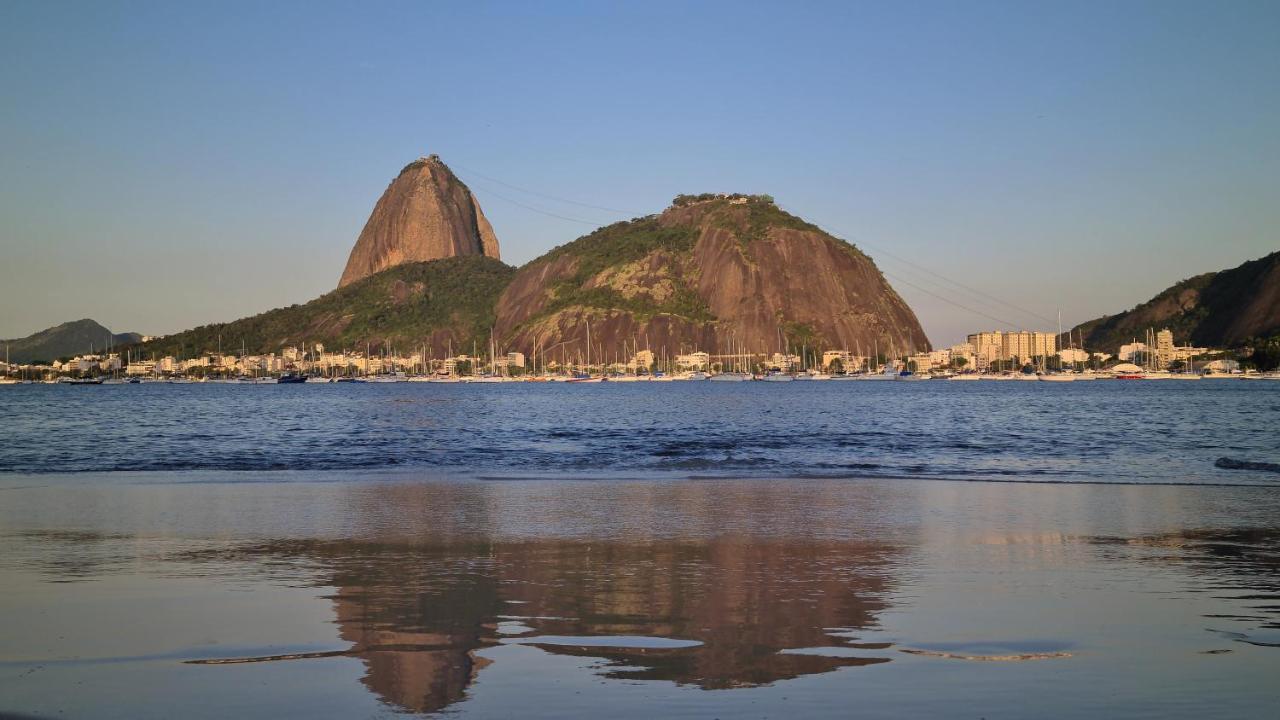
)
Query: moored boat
[{"x": 1057, "y": 377}]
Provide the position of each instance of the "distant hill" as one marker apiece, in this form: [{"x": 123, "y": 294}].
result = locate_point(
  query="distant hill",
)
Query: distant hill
[
  {"x": 423, "y": 303},
  {"x": 717, "y": 273},
  {"x": 1219, "y": 309},
  {"x": 70, "y": 338}
]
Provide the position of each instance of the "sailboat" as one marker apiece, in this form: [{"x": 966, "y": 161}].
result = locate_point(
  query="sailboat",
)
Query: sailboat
[
  {"x": 1058, "y": 375},
  {"x": 587, "y": 377},
  {"x": 6, "y": 380},
  {"x": 733, "y": 375}
]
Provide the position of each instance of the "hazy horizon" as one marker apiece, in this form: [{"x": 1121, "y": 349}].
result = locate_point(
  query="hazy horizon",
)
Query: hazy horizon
[{"x": 168, "y": 166}]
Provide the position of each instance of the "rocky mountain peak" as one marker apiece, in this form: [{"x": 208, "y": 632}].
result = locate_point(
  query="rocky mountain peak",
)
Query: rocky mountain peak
[{"x": 426, "y": 213}]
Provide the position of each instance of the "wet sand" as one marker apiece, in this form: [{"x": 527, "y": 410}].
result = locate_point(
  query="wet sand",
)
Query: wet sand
[{"x": 329, "y": 595}]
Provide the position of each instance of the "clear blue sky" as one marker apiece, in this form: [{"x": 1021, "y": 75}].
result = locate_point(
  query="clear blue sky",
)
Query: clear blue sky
[{"x": 170, "y": 164}]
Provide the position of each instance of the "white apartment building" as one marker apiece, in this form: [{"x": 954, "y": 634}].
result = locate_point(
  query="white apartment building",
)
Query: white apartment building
[
  {"x": 851, "y": 362},
  {"x": 1024, "y": 345},
  {"x": 1127, "y": 352},
  {"x": 923, "y": 362},
  {"x": 781, "y": 361},
  {"x": 141, "y": 367},
  {"x": 1073, "y": 355},
  {"x": 691, "y": 361}
]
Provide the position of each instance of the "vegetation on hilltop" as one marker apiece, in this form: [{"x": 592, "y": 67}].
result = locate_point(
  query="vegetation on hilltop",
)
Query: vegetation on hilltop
[
  {"x": 400, "y": 307},
  {"x": 617, "y": 245},
  {"x": 1221, "y": 309},
  {"x": 77, "y": 337}
]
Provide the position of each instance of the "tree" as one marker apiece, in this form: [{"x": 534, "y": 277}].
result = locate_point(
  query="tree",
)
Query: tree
[
  {"x": 836, "y": 366},
  {"x": 959, "y": 362}
]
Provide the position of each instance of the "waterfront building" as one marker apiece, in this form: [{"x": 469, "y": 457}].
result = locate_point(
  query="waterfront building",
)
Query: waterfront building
[
  {"x": 922, "y": 362},
  {"x": 1187, "y": 353},
  {"x": 1222, "y": 366},
  {"x": 783, "y": 362},
  {"x": 1072, "y": 356},
  {"x": 1164, "y": 348},
  {"x": 691, "y": 361},
  {"x": 141, "y": 367},
  {"x": 642, "y": 360},
  {"x": 851, "y": 362},
  {"x": 1127, "y": 351},
  {"x": 451, "y": 364},
  {"x": 963, "y": 351},
  {"x": 1023, "y": 345}
]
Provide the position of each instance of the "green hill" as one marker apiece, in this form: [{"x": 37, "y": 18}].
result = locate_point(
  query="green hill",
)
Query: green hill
[
  {"x": 431, "y": 303},
  {"x": 1222, "y": 309},
  {"x": 70, "y": 338},
  {"x": 721, "y": 273}
]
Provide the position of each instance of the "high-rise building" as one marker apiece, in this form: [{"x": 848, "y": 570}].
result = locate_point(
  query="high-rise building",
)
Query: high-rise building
[
  {"x": 1023, "y": 345},
  {"x": 1164, "y": 348}
]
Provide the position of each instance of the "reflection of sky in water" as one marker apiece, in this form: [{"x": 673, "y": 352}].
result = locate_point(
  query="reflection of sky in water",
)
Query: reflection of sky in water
[{"x": 553, "y": 598}]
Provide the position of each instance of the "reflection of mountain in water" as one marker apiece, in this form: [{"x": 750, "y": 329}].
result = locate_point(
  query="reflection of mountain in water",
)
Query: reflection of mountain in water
[
  {"x": 416, "y": 614},
  {"x": 415, "y": 617}
]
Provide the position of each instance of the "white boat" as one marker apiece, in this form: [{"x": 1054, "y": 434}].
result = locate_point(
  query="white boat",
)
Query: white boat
[
  {"x": 730, "y": 377},
  {"x": 777, "y": 377},
  {"x": 1057, "y": 377},
  {"x": 811, "y": 375},
  {"x": 909, "y": 376},
  {"x": 888, "y": 374},
  {"x": 965, "y": 376},
  {"x": 394, "y": 377}
]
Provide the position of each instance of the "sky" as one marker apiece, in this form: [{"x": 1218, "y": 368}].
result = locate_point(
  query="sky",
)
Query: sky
[{"x": 166, "y": 165}]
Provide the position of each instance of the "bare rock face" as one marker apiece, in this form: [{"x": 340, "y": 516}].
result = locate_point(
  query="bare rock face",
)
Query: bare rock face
[
  {"x": 720, "y": 274},
  {"x": 426, "y": 213}
]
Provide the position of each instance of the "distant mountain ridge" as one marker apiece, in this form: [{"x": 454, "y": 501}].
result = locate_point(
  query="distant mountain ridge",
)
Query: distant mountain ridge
[
  {"x": 720, "y": 273},
  {"x": 725, "y": 274},
  {"x": 1217, "y": 309},
  {"x": 77, "y": 337}
]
